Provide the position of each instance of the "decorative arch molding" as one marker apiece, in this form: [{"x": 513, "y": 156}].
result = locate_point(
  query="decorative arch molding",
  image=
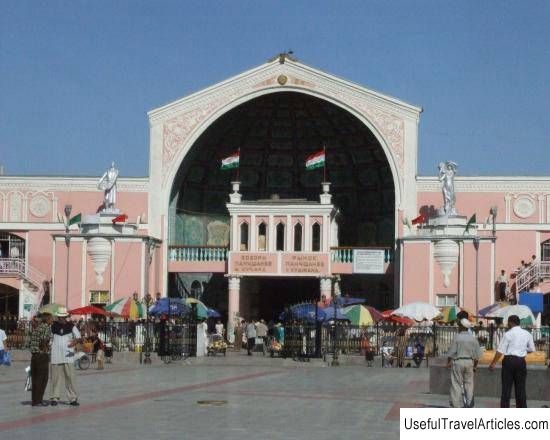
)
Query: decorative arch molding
[
  {"x": 181, "y": 132},
  {"x": 176, "y": 126}
]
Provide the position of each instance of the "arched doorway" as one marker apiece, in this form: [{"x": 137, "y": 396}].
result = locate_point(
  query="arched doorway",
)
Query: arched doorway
[{"x": 275, "y": 133}]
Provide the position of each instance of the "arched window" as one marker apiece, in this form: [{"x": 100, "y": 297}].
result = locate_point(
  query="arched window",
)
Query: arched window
[
  {"x": 280, "y": 237},
  {"x": 196, "y": 289},
  {"x": 244, "y": 236},
  {"x": 297, "y": 237},
  {"x": 262, "y": 237},
  {"x": 545, "y": 251},
  {"x": 316, "y": 237}
]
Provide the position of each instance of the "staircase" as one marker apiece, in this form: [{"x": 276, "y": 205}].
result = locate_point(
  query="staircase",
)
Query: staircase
[
  {"x": 16, "y": 267},
  {"x": 534, "y": 273}
]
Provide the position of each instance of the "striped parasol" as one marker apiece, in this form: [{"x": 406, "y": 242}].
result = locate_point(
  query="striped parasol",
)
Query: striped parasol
[
  {"x": 362, "y": 315},
  {"x": 448, "y": 313},
  {"x": 127, "y": 308},
  {"x": 524, "y": 313},
  {"x": 492, "y": 308},
  {"x": 50, "y": 309},
  {"x": 202, "y": 310}
]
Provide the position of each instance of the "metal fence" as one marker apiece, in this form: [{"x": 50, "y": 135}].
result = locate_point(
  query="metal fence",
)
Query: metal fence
[
  {"x": 310, "y": 340},
  {"x": 174, "y": 338}
]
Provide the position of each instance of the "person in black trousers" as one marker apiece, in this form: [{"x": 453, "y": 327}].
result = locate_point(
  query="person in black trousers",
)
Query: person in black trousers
[
  {"x": 40, "y": 359},
  {"x": 514, "y": 346}
]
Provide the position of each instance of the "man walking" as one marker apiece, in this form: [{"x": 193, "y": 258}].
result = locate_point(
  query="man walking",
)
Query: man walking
[
  {"x": 514, "y": 346},
  {"x": 251, "y": 336},
  {"x": 40, "y": 359},
  {"x": 65, "y": 337},
  {"x": 462, "y": 357}
]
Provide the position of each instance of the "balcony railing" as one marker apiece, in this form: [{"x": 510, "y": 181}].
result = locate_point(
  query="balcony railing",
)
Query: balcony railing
[
  {"x": 17, "y": 266},
  {"x": 197, "y": 253},
  {"x": 345, "y": 254}
]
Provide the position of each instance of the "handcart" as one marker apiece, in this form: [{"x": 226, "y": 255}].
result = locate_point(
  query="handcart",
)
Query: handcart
[{"x": 216, "y": 345}]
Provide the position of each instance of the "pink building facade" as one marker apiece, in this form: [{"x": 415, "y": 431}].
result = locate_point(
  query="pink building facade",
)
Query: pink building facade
[{"x": 185, "y": 234}]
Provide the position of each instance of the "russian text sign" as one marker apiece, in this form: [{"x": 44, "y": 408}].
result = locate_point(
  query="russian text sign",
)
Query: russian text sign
[{"x": 368, "y": 261}]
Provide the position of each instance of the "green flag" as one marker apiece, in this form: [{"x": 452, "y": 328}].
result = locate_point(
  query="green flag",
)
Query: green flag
[
  {"x": 470, "y": 223},
  {"x": 76, "y": 219}
]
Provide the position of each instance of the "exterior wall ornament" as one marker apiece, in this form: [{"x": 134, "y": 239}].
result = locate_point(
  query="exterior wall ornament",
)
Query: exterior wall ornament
[
  {"x": 99, "y": 250},
  {"x": 446, "y": 255},
  {"x": 39, "y": 206},
  {"x": 447, "y": 171},
  {"x": 524, "y": 206}
]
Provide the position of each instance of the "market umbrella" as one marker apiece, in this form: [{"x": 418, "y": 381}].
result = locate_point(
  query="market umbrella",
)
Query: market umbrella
[
  {"x": 348, "y": 301},
  {"x": 492, "y": 308},
  {"x": 524, "y": 313},
  {"x": 419, "y": 311},
  {"x": 50, "y": 308},
  {"x": 127, "y": 308},
  {"x": 400, "y": 320},
  {"x": 305, "y": 311},
  {"x": 213, "y": 313},
  {"x": 202, "y": 310},
  {"x": 329, "y": 314},
  {"x": 362, "y": 315},
  {"x": 448, "y": 313},
  {"x": 89, "y": 310},
  {"x": 169, "y": 306}
]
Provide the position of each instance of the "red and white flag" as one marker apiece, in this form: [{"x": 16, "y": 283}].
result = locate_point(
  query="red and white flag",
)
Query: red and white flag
[{"x": 120, "y": 219}]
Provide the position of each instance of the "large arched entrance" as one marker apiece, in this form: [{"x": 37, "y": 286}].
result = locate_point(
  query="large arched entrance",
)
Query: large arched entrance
[{"x": 275, "y": 133}]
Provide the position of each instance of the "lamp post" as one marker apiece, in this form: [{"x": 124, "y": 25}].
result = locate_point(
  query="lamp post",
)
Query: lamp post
[
  {"x": 68, "y": 209},
  {"x": 476, "y": 246},
  {"x": 335, "y": 301},
  {"x": 147, "y": 300}
]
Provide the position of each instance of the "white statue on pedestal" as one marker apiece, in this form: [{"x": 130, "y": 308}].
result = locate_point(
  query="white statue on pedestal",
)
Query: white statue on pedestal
[
  {"x": 107, "y": 183},
  {"x": 447, "y": 173}
]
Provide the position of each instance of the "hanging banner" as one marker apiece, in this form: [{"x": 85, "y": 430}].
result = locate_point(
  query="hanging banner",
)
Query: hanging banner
[{"x": 368, "y": 261}]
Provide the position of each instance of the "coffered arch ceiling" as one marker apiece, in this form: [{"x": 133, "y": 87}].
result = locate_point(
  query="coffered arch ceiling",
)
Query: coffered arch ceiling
[{"x": 275, "y": 134}]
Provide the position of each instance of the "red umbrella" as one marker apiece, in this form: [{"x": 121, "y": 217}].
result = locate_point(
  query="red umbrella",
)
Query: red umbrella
[
  {"x": 401, "y": 320},
  {"x": 89, "y": 310}
]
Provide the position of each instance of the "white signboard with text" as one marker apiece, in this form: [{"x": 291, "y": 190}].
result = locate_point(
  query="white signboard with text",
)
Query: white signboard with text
[{"x": 368, "y": 261}]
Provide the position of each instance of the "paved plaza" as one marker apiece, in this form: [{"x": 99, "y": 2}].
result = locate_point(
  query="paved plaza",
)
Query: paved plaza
[{"x": 269, "y": 399}]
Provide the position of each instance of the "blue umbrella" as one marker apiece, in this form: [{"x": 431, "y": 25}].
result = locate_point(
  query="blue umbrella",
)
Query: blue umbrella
[
  {"x": 169, "y": 306},
  {"x": 329, "y": 314},
  {"x": 305, "y": 312},
  {"x": 347, "y": 301},
  {"x": 213, "y": 313}
]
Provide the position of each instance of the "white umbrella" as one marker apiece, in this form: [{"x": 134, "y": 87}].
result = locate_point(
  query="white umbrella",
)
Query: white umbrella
[
  {"x": 418, "y": 311},
  {"x": 524, "y": 313}
]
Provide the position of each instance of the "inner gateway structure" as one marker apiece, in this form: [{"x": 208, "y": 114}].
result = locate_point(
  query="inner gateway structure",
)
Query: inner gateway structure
[{"x": 275, "y": 133}]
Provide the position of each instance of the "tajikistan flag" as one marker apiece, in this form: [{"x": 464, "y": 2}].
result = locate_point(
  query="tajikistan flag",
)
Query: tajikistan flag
[
  {"x": 316, "y": 160},
  {"x": 231, "y": 161}
]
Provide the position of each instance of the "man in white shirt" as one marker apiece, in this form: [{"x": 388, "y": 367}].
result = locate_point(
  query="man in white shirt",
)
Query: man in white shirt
[
  {"x": 65, "y": 336},
  {"x": 250, "y": 336},
  {"x": 514, "y": 346}
]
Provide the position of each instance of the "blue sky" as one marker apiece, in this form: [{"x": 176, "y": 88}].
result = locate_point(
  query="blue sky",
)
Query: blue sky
[{"x": 77, "y": 77}]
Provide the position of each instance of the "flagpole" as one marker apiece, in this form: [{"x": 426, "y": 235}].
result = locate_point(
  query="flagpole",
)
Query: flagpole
[
  {"x": 239, "y": 166},
  {"x": 325, "y": 163}
]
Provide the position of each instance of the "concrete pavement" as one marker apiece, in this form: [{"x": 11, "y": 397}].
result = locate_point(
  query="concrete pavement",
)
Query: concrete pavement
[{"x": 266, "y": 399}]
